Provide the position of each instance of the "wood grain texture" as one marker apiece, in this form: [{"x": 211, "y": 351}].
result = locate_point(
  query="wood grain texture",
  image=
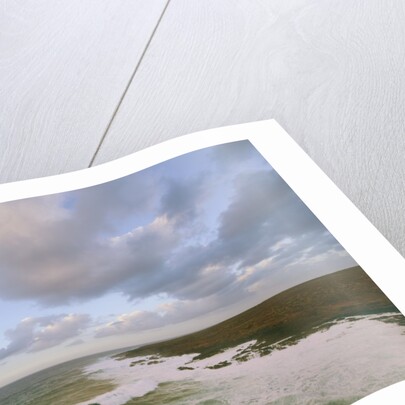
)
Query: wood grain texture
[
  {"x": 63, "y": 68},
  {"x": 331, "y": 73}
]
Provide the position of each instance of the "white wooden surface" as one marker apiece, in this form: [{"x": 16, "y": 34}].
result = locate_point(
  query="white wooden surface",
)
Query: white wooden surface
[
  {"x": 63, "y": 68},
  {"x": 330, "y": 71}
]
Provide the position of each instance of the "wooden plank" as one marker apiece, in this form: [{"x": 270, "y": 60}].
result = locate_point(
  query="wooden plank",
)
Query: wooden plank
[
  {"x": 331, "y": 72},
  {"x": 63, "y": 68}
]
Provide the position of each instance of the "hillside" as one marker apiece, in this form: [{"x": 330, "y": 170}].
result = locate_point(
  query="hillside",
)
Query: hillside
[{"x": 294, "y": 312}]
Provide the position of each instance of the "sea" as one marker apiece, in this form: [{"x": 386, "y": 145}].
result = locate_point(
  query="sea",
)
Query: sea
[{"x": 335, "y": 365}]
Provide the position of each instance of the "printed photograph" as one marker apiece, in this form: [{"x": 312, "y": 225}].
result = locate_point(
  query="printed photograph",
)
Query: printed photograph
[{"x": 203, "y": 280}]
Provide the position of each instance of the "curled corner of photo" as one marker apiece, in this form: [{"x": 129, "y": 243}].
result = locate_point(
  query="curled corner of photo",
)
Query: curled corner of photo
[{"x": 393, "y": 395}]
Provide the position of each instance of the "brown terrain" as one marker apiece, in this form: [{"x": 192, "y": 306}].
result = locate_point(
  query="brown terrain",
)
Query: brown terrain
[{"x": 291, "y": 314}]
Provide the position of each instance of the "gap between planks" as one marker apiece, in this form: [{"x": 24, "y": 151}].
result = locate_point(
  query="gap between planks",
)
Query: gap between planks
[{"x": 128, "y": 84}]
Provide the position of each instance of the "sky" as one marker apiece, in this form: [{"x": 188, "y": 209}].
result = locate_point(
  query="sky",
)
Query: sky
[{"x": 165, "y": 251}]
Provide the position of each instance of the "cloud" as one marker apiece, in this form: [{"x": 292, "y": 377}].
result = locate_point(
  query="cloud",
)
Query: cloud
[
  {"x": 108, "y": 206},
  {"x": 168, "y": 313},
  {"x": 133, "y": 322},
  {"x": 263, "y": 212},
  {"x": 179, "y": 200},
  {"x": 39, "y": 333},
  {"x": 47, "y": 263},
  {"x": 161, "y": 231},
  {"x": 112, "y": 237}
]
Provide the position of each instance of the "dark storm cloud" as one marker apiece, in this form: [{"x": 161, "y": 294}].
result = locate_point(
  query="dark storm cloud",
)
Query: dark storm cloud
[
  {"x": 35, "y": 334},
  {"x": 141, "y": 236}
]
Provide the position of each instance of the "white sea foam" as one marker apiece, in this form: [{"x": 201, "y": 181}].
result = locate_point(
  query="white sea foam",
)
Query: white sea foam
[{"x": 350, "y": 360}]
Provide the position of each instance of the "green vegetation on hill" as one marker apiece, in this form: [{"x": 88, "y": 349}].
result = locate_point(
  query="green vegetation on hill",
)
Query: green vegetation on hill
[{"x": 295, "y": 313}]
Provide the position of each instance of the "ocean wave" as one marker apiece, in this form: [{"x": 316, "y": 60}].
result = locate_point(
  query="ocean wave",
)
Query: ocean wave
[{"x": 331, "y": 364}]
